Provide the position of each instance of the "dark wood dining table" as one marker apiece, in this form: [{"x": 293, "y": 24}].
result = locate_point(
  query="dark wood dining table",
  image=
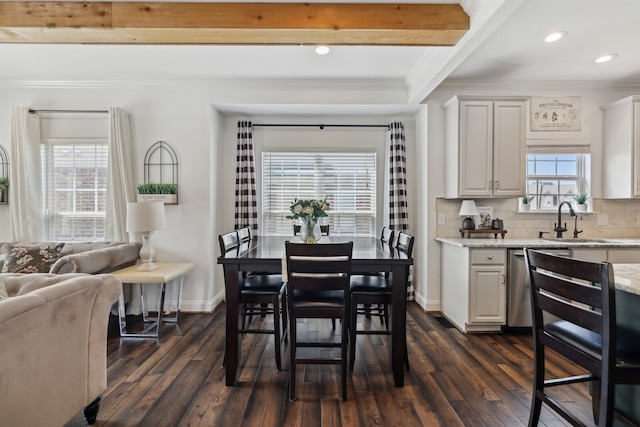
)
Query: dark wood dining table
[{"x": 265, "y": 254}]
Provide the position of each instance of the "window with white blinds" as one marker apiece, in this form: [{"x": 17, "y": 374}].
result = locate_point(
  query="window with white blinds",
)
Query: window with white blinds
[
  {"x": 346, "y": 180},
  {"x": 74, "y": 178}
]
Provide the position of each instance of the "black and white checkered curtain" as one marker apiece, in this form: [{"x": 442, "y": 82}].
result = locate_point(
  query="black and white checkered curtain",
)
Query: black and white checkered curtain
[
  {"x": 246, "y": 204},
  {"x": 398, "y": 215}
]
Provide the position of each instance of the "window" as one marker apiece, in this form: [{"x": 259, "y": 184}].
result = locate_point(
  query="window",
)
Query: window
[
  {"x": 347, "y": 180},
  {"x": 555, "y": 175},
  {"x": 74, "y": 177}
]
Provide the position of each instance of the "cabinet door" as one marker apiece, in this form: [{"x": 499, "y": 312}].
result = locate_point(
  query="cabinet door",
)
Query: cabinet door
[
  {"x": 509, "y": 148},
  {"x": 487, "y": 294},
  {"x": 476, "y": 148}
]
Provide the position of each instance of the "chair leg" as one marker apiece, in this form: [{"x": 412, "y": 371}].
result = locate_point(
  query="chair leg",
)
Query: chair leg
[
  {"x": 343, "y": 351},
  {"x": 353, "y": 322},
  {"x": 285, "y": 325},
  {"x": 538, "y": 386},
  {"x": 276, "y": 330},
  {"x": 292, "y": 357},
  {"x": 603, "y": 405}
]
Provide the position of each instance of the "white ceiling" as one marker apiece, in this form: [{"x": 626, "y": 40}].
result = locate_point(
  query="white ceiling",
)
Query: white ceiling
[{"x": 515, "y": 51}]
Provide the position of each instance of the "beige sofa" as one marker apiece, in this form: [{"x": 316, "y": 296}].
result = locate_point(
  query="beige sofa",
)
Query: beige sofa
[
  {"x": 53, "y": 355},
  {"x": 86, "y": 257}
]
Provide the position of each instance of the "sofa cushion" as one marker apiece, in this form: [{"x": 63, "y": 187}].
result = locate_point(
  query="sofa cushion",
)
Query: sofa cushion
[
  {"x": 31, "y": 259},
  {"x": 3, "y": 291}
]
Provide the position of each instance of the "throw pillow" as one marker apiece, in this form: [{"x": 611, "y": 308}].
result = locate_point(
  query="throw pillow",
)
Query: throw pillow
[
  {"x": 3, "y": 292},
  {"x": 31, "y": 259}
]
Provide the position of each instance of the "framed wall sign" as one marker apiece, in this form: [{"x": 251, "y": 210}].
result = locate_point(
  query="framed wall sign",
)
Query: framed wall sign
[{"x": 560, "y": 113}]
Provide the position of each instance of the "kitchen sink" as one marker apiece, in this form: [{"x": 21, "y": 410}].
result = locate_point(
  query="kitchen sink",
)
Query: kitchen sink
[{"x": 578, "y": 240}]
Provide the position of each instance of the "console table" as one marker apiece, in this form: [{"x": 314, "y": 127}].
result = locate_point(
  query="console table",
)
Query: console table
[{"x": 165, "y": 272}]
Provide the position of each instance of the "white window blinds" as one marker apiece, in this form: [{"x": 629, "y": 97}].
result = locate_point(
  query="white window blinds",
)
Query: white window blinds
[
  {"x": 346, "y": 180},
  {"x": 74, "y": 188}
]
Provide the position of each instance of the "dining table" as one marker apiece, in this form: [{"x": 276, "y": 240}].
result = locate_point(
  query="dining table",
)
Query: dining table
[{"x": 266, "y": 254}]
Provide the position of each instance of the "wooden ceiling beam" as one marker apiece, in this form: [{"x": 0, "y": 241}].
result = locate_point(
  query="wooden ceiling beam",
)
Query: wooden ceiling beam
[{"x": 232, "y": 23}]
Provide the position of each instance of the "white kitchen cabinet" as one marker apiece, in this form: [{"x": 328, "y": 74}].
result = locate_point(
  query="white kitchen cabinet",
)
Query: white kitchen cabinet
[
  {"x": 474, "y": 288},
  {"x": 621, "y": 148},
  {"x": 612, "y": 255},
  {"x": 485, "y": 154},
  {"x": 589, "y": 254}
]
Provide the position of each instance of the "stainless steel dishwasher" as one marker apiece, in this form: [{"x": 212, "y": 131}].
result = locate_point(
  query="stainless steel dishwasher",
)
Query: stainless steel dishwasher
[{"x": 518, "y": 293}]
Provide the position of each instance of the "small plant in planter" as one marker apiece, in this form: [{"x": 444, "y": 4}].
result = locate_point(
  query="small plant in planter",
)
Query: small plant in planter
[
  {"x": 151, "y": 192},
  {"x": 524, "y": 203},
  {"x": 4, "y": 186},
  {"x": 581, "y": 202}
]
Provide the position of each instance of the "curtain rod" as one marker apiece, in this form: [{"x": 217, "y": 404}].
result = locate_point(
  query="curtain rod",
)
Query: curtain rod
[
  {"x": 67, "y": 111},
  {"x": 321, "y": 126}
]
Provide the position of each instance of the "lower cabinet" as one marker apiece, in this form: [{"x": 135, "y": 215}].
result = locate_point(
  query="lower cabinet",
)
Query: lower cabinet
[{"x": 474, "y": 288}]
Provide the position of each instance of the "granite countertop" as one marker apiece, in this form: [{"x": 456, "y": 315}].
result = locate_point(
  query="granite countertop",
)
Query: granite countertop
[
  {"x": 540, "y": 243},
  {"x": 627, "y": 277}
]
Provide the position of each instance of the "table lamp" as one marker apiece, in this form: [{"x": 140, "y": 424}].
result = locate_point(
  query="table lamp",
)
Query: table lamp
[
  {"x": 146, "y": 218},
  {"x": 468, "y": 210}
]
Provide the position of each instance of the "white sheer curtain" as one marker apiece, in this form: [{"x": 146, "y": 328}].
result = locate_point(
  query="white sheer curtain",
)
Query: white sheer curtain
[
  {"x": 121, "y": 187},
  {"x": 26, "y": 219}
]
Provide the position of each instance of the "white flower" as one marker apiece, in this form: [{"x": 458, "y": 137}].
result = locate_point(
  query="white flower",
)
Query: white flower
[
  {"x": 308, "y": 210},
  {"x": 297, "y": 209}
]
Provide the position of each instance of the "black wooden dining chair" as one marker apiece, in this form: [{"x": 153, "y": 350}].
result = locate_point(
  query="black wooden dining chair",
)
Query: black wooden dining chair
[
  {"x": 386, "y": 238},
  {"x": 259, "y": 294},
  {"x": 318, "y": 287},
  {"x": 581, "y": 296},
  {"x": 375, "y": 289}
]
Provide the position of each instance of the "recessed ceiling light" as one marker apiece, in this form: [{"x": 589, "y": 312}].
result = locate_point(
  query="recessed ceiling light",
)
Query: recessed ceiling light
[
  {"x": 554, "y": 37},
  {"x": 606, "y": 58},
  {"x": 322, "y": 50}
]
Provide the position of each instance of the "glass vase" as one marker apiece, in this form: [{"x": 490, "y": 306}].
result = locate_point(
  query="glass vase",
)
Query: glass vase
[{"x": 309, "y": 232}]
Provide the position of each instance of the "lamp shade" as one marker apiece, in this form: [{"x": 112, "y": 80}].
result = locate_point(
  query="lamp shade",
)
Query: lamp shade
[
  {"x": 468, "y": 208},
  {"x": 145, "y": 216}
]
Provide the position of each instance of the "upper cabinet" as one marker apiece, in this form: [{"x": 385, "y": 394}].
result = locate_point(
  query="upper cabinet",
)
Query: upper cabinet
[
  {"x": 485, "y": 154},
  {"x": 621, "y": 148}
]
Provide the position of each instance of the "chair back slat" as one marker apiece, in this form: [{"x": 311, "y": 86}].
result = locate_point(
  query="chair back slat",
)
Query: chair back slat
[
  {"x": 405, "y": 243},
  {"x": 588, "y": 293},
  {"x": 244, "y": 234},
  {"x": 318, "y": 267},
  {"x": 228, "y": 241},
  {"x": 387, "y": 235}
]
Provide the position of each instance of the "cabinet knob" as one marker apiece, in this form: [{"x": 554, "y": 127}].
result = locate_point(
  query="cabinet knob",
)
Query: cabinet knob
[
  {"x": 489, "y": 257},
  {"x": 497, "y": 185}
]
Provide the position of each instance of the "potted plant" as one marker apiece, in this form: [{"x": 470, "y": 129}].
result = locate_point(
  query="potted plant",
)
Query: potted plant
[
  {"x": 581, "y": 202},
  {"x": 524, "y": 203},
  {"x": 152, "y": 192},
  {"x": 4, "y": 186}
]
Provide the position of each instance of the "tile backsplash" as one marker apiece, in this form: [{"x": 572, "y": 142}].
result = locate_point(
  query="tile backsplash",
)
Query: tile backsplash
[{"x": 608, "y": 219}]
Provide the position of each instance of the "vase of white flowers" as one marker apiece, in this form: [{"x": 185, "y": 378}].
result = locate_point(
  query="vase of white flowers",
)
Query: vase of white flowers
[{"x": 309, "y": 211}]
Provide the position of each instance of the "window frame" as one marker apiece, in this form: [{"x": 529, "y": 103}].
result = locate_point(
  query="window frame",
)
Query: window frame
[{"x": 581, "y": 177}]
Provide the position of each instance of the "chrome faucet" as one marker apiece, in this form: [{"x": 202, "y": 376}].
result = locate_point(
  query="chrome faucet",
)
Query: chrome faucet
[
  {"x": 559, "y": 229},
  {"x": 575, "y": 227}
]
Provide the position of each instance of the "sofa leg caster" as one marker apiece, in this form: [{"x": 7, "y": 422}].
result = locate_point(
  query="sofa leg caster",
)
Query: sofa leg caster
[{"x": 91, "y": 411}]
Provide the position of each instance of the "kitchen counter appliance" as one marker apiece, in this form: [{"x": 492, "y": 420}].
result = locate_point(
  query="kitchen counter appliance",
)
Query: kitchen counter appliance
[{"x": 518, "y": 293}]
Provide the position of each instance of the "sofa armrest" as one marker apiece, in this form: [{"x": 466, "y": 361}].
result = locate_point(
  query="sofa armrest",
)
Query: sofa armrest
[
  {"x": 56, "y": 363},
  {"x": 98, "y": 261}
]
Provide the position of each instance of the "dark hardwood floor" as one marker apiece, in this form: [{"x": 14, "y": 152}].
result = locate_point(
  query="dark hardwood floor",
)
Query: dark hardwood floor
[{"x": 455, "y": 380}]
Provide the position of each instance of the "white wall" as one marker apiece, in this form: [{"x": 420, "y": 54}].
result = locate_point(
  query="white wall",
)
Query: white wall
[{"x": 196, "y": 119}]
